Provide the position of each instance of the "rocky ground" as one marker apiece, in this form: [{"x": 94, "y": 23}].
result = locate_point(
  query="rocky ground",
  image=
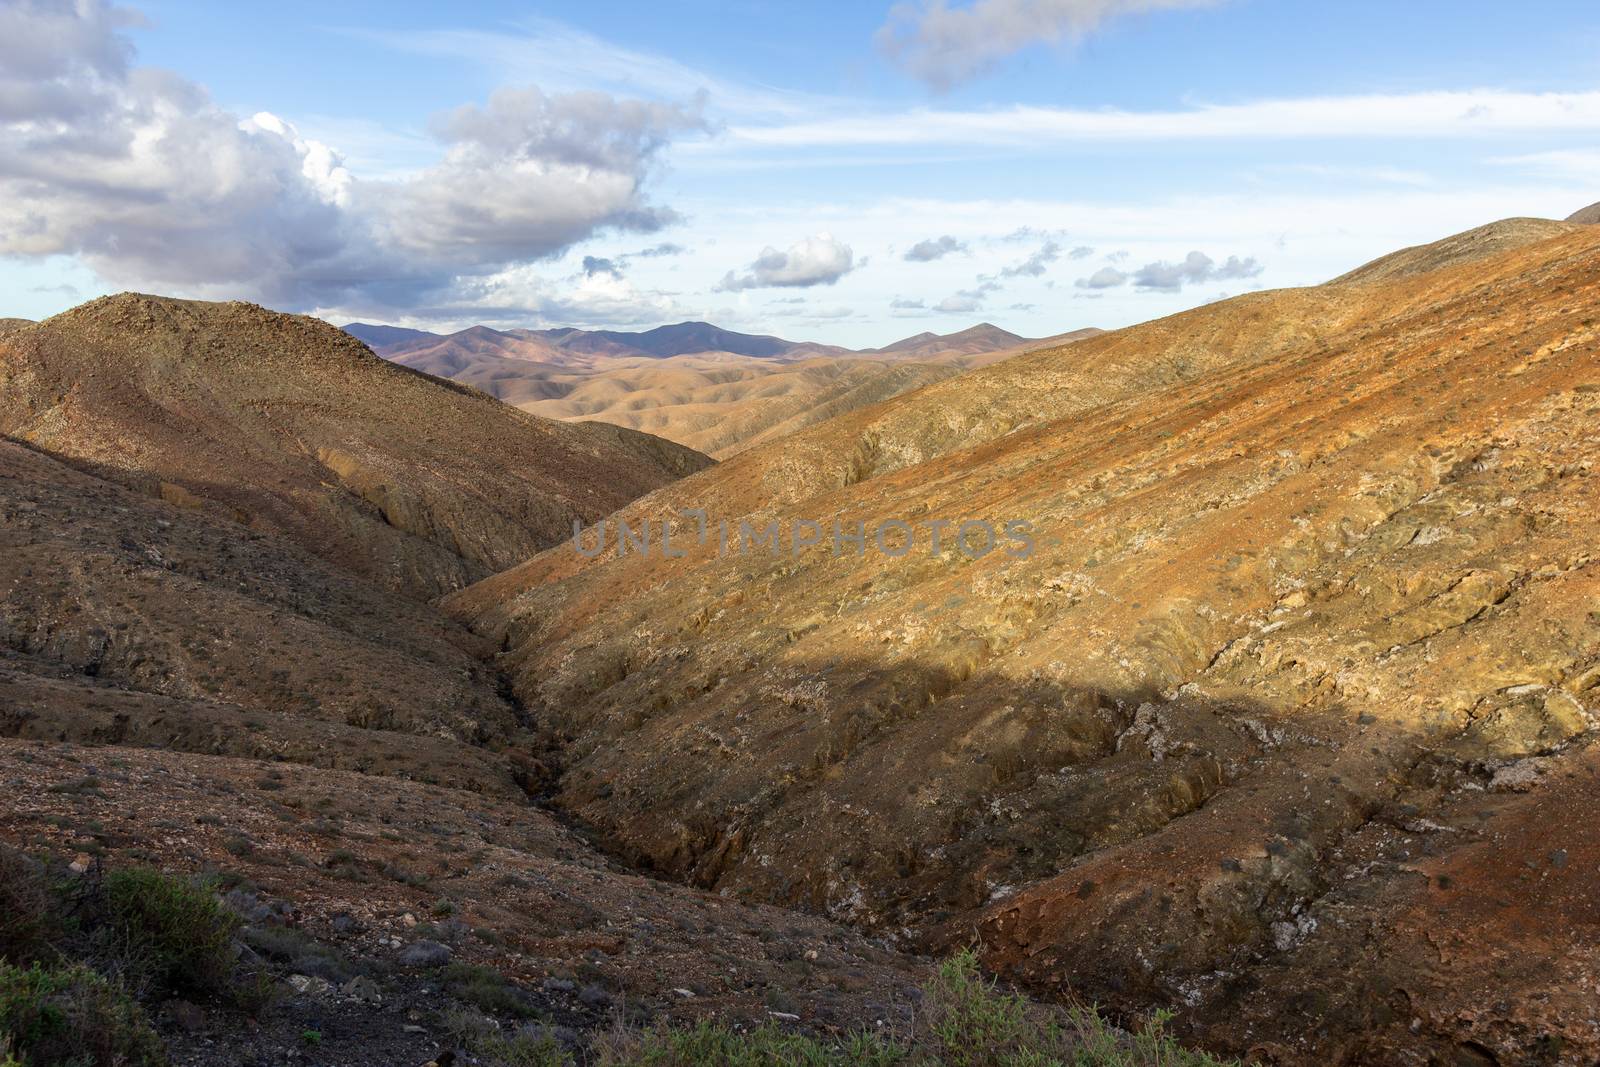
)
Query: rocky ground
[{"x": 359, "y": 889}]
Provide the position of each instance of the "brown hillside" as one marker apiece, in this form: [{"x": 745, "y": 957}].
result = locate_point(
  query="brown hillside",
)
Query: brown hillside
[
  {"x": 1307, "y": 657},
  {"x": 284, "y": 423},
  {"x": 719, "y": 403},
  {"x": 1588, "y": 216}
]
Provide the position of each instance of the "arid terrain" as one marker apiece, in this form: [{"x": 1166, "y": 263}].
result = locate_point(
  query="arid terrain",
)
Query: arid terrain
[
  {"x": 1285, "y": 725},
  {"x": 715, "y": 391},
  {"x": 1283, "y": 721}
]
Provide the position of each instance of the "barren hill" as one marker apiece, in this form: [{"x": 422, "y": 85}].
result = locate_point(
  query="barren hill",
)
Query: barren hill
[
  {"x": 975, "y": 340},
  {"x": 286, "y": 424},
  {"x": 718, "y": 401},
  {"x": 1291, "y": 708},
  {"x": 1588, "y": 216},
  {"x": 196, "y": 676}
]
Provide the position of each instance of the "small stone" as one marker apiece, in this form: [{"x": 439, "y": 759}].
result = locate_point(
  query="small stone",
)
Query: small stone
[
  {"x": 686, "y": 994},
  {"x": 363, "y": 989},
  {"x": 310, "y": 986},
  {"x": 1558, "y": 858}
]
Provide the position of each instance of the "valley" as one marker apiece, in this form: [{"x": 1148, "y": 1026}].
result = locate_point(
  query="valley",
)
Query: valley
[{"x": 1284, "y": 726}]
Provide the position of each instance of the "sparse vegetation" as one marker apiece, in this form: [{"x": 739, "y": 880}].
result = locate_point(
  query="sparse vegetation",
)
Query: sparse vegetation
[
  {"x": 486, "y": 989},
  {"x": 28, "y": 914},
  {"x": 966, "y": 1020},
  {"x": 71, "y": 1017},
  {"x": 167, "y": 931}
]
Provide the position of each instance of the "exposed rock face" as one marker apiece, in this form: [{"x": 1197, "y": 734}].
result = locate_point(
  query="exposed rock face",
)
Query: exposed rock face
[
  {"x": 284, "y": 423},
  {"x": 1315, "y": 573}
]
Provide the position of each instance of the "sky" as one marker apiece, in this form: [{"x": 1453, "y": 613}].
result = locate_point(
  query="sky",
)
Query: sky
[{"x": 842, "y": 171}]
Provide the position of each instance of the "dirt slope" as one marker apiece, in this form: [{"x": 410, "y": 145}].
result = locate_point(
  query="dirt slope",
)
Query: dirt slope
[
  {"x": 1588, "y": 216},
  {"x": 1315, "y": 581},
  {"x": 126, "y": 619},
  {"x": 286, "y": 424}
]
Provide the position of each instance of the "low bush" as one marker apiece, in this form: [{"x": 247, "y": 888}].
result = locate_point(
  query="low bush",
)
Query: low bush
[
  {"x": 29, "y": 912},
  {"x": 486, "y": 989},
  {"x": 71, "y": 1017},
  {"x": 166, "y": 931}
]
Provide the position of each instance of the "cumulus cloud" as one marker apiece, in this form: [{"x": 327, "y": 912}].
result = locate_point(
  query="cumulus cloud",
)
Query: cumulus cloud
[
  {"x": 819, "y": 260},
  {"x": 143, "y": 177},
  {"x": 1035, "y": 265},
  {"x": 943, "y": 45},
  {"x": 593, "y": 265},
  {"x": 1196, "y": 267},
  {"x": 1168, "y": 277},
  {"x": 960, "y": 302},
  {"x": 1081, "y": 252},
  {"x": 1104, "y": 278},
  {"x": 903, "y": 304},
  {"x": 934, "y": 248}
]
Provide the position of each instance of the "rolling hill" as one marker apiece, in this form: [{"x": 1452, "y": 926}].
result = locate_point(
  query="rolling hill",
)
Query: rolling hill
[
  {"x": 667, "y": 381},
  {"x": 1290, "y": 707},
  {"x": 285, "y": 424}
]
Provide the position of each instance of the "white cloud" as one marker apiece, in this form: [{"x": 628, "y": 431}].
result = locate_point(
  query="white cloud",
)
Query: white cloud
[
  {"x": 1167, "y": 277},
  {"x": 1196, "y": 267},
  {"x": 944, "y": 45},
  {"x": 1432, "y": 115},
  {"x": 934, "y": 248},
  {"x": 1104, "y": 278},
  {"x": 960, "y": 302},
  {"x": 568, "y": 59},
  {"x": 819, "y": 260},
  {"x": 138, "y": 174},
  {"x": 1035, "y": 265}
]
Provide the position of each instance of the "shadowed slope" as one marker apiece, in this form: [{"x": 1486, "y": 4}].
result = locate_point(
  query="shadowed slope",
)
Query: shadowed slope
[{"x": 285, "y": 423}]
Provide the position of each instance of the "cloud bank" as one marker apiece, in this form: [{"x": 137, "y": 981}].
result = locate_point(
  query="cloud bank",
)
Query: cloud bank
[{"x": 139, "y": 174}]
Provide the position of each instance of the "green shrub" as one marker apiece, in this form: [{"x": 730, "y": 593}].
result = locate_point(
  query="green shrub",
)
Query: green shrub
[
  {"x": 489, "y": 1046},
  {"x": 167, "y": 931},
  {"x": 486, "y": 989},
  {"x": 29, "y": 912},
  {"x": 71, "y": 1017}
]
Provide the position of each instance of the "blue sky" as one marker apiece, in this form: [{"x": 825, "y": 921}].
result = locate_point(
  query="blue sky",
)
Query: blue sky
[{"x": 848, "y": 172}]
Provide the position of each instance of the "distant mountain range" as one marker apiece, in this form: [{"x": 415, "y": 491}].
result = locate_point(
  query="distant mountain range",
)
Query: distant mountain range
[
  {"x": 561, "y": 346},
  {"x": 715, "y": 390}
]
